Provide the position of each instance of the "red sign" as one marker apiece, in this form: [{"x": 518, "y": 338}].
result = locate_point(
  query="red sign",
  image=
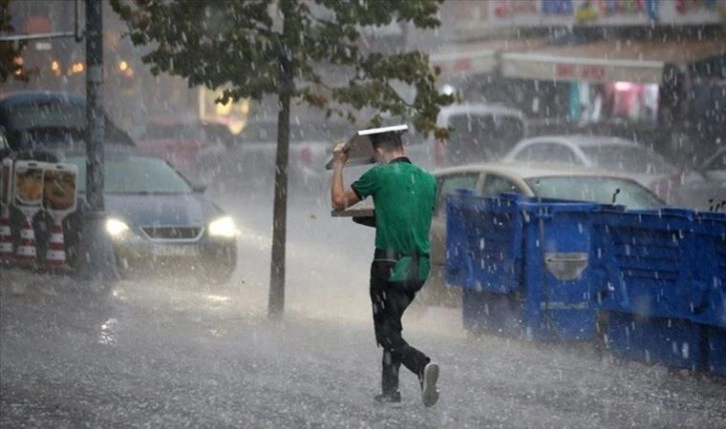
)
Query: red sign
[
  {"x": 462, "y": 64},
  {"x": 564, "y": 70},
  {"x": 505, "y": 8},
  {"x": 593, "y": 72},
  {"x": 590, "y": 72},
  {"x": 37, "y": 25}
]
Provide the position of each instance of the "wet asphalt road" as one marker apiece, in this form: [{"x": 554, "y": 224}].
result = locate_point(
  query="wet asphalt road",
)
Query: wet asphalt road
[{"x": 169, "y": 354}]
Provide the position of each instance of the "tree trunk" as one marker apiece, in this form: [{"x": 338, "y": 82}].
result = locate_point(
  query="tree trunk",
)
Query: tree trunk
[
  {"x": 276, "y": 304},
  {"x": 94, "y": 101},
  {"x": 97, "y": 262}
]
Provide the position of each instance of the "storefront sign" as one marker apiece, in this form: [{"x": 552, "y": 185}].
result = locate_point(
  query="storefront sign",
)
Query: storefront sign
[
  {"x": 465, "y": 62},
  {"x": 544, "y": 67},
  {"x": 508, "y": 8},
  {"x": 557, "y": 7},
  {"x": 538, "y": 13}
]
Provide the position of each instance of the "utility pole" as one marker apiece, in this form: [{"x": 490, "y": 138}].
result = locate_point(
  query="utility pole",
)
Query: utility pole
[
  {"x": 94, "y": 104},
  {"x": 97, "y": 261}
]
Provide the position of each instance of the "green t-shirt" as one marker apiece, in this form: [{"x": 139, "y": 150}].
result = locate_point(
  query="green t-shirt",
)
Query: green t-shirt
[{"x": 403, "y": 195}]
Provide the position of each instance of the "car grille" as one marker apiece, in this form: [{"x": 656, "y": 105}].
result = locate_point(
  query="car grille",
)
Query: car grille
[{"x": 172, "y": 233}]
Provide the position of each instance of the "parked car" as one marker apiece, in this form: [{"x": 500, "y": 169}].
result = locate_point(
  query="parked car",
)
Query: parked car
[
  {"x": 714, "y": 168},
  {"x": 558, "y": 181},
  {"x": 250, "y": 163},
  {"x": 610, "y": 153},
  {"x": 194, "y": 147},
  {"x": 50, "y": 119},
  {"x": 479, "y": 133},
  {"x": 708, "y": 194},
  {"x": 159, "y": 224}
]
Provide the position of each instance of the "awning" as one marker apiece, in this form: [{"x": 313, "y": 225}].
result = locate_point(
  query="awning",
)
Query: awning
[
  {"x": 477, "y": 58},
  {"x": 607, "y": 61}
]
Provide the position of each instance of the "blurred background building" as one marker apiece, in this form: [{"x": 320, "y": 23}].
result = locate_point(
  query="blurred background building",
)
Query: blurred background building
[
  {"x": 132, "y": 94},
  {"x": 656, "y": 68},
  {"x": 650, "y": 69}
]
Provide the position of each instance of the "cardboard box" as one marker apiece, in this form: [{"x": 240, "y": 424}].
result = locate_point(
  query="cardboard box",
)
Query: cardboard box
[
  {"x": 360, "y": 148},
  {"x": 363, "y": 213}
]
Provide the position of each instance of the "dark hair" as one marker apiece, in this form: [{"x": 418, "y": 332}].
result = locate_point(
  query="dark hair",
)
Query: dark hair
[{"x": 387, "y": 141}]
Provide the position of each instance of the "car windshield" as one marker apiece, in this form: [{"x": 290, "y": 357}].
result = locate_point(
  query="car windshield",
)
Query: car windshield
[
  {"x": 596, "y": 189},
  {"x": 631, "y": 159},
  {"x": 45, "y": 115},
  {"x": 53, "y": 138},
  {"x": 135, "y": 175}
]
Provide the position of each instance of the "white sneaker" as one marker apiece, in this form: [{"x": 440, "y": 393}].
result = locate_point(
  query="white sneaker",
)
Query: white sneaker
[{"x": 429, "y": 392}]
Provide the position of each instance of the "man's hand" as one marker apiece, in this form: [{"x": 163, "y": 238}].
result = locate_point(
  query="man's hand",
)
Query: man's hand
[
  {"x": 340, "y": 154},
  {"x": 340, "y": 197}
]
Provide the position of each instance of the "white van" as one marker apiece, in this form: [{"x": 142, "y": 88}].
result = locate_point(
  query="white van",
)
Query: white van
[{"x": 480, "y": 132}]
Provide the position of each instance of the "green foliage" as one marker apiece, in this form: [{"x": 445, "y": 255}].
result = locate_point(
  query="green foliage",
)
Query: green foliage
[
  {"x": 9, "y": 51},
  {"x": 240, "y": 45}
]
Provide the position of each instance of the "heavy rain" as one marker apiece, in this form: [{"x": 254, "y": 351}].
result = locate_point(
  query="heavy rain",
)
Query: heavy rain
[{"x": 169, "y": 256}]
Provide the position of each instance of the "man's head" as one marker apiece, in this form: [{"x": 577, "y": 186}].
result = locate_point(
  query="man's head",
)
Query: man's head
[{"x": 387, "y": 145}]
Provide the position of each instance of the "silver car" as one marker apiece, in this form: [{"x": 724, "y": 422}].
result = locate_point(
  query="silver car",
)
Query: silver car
[
  {"x": 608, "y": 153},
  {"x": 708, "y": 194},
  {"x": 558, "y": 181}
]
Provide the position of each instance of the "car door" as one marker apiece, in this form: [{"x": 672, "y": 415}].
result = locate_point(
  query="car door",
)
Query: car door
[{"x": 446, "y": 185}]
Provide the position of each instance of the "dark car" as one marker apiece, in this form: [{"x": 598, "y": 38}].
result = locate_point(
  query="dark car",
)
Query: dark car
[
  {"x": 159, "y": 224},
  {"x": 47, "y": 119}
]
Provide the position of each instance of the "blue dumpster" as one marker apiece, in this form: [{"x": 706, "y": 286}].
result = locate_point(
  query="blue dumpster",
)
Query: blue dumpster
[
  {"x": 484, "y": 244},
  {"x": 650, "y": 300},
  {"x": 645, "y": 255},
  {"x": 709, "y": 269},
  {"x": 709, "y": 284},
  {"x": 715, "y": 349},
  {"x": 527, "y": 265},
  {"x": 558, "y": 276},
  {"x": 459, "y": 269},
  {"x": 676, "y": 343}
]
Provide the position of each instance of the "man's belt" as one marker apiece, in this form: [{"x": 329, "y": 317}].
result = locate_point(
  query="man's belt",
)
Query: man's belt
[{"x": 395, "y": 256}]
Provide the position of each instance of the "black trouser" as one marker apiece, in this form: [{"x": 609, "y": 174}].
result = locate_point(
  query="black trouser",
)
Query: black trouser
[{"x": 389, "y": 301}]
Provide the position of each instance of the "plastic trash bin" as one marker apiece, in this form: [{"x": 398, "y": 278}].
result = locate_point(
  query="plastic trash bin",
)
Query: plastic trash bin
[{"x": 527, "y": 262}]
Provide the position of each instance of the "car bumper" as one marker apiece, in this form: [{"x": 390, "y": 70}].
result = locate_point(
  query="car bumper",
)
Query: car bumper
[{"x": 212, "y": 261}]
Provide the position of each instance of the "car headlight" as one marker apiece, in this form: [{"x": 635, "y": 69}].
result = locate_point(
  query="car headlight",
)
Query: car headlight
[
  {"x": 116, "y": 227},
  {"x": 223, "y": 227}
]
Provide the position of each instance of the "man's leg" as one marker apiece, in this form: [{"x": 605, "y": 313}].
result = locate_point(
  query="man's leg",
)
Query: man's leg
[
  {"x": 389, "y": 301},
  {"x": 380, "y": 271},
  {"x": 390, "y": 365},
  {"x": 417, "y": 362}
]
